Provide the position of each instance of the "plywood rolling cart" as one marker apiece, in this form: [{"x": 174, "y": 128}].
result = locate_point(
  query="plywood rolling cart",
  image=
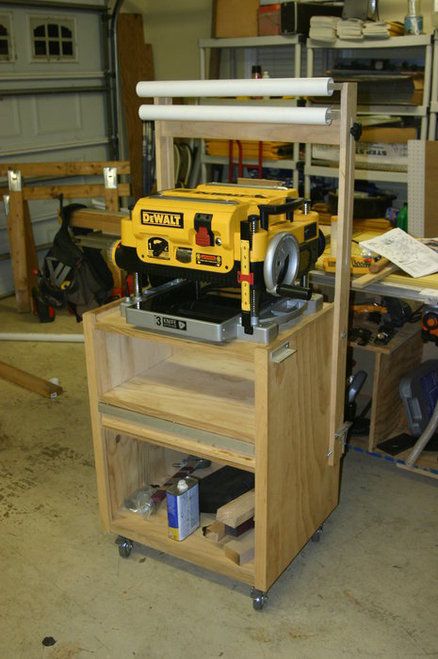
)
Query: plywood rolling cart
[{"x": 275, "y": 410}]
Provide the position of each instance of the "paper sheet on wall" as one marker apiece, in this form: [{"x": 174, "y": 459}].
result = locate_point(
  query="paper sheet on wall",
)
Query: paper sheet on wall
[{"x": 409, "y": 254}]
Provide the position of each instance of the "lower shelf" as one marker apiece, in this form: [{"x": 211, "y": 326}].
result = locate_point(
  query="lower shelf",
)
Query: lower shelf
[
  {"x": 427, "y": 461},
  {"x": 196, "y": 549}
]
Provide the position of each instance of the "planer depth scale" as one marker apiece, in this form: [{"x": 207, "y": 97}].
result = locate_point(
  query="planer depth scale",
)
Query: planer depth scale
[{"x": 220, "y": 261}]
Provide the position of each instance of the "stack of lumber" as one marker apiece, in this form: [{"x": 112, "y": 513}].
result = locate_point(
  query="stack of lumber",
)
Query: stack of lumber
[{"x": 234, "y": 528}]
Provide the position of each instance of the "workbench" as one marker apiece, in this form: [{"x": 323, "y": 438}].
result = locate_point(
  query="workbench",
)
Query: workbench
[{"x": 389, "y": 364}]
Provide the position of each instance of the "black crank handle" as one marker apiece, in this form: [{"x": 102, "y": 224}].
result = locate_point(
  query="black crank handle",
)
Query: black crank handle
[
  {"x": 266, "y": 210},
  {"x": 278, "y": 209},
  {"x": 298, "y": 292}
]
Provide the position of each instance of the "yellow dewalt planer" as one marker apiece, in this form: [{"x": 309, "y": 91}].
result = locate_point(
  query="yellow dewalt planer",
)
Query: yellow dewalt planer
[{"x": 221, "y": 261}]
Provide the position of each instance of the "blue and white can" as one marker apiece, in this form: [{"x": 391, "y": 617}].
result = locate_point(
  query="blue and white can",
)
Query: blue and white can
[{"x": 183, "y": 508}]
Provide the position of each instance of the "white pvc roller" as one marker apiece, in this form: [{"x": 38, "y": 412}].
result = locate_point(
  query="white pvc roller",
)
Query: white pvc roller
[
  {"x": 245, "y": 87},
  {"x": 315, "y": 116}
]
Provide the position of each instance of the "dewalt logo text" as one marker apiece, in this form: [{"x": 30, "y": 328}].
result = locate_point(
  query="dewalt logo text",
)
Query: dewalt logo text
[{"x": 163, "y": 219}]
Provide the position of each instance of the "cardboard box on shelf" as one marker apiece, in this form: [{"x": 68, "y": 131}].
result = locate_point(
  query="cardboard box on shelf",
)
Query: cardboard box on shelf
[
  {"x": 236, "y": 18},
  {"x": 270, "y": 20},
  {"x": 388, "y": 134}
]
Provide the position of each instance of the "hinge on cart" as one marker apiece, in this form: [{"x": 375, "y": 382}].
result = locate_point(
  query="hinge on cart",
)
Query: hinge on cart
[{"x": 341, "y": 437}]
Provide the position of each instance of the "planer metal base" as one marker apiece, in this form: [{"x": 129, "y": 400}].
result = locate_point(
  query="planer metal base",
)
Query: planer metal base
[{"x": 176, "y": 308}]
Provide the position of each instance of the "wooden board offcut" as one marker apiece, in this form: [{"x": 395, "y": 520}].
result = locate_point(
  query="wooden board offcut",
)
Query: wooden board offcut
[
  {"x": 136, "y": 63},
  {"x": 242, "y": 550},
  {"x": 238, "y": 510},
  {"x": 29, "y": 381}
]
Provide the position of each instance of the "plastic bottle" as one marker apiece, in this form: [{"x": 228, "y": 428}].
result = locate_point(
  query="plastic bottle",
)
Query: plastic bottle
[
  {"x": 256, "y": 73},
  {"x": 402, "y": 217},
  {"x": 265, "y": 76},
  {"x": 413, "y": 19}
]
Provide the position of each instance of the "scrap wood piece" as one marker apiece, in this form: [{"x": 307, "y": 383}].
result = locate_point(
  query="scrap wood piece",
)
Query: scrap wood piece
[
  {"x": 136, "y": 63},
  {"x": 22, "y": 248},
  {"x": 29, "y": 381},
  {"x": 242, "y": 550},
  {"x": 109, "y": 222},
  {"x": 238, "y": 510},
  {"x": 378, "y": 271},
  {"x": 214, "y": 532},
  {"x": 242, "y": 528}
]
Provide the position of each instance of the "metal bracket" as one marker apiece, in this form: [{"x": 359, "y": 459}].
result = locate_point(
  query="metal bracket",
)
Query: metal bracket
[
  {"x": 341, "y": 436},
  {"x": 282, "y": 353},
  {"x": 6, "y": 203},
  {"x": 14, "y": 180},
  {"x": 110, "y": 178}
]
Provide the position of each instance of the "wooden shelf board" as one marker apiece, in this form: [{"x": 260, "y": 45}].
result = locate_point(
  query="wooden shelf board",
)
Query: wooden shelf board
[
  {"x": 216, "y": 402},
  {"x": 403, "y": 334},
  {"x": 195, "y": 548},
  {"x": 427, "y": 461},
  {"x": 224, "y": 450}
]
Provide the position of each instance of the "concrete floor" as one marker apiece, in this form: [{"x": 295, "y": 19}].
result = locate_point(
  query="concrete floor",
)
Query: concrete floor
[{"x": 369, "y": 588}]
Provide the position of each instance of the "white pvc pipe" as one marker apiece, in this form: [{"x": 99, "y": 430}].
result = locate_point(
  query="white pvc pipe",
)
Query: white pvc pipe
[
  {"x": 57, "y": 338},
  {"x": 242, "y": 87},
  {"x": 315, "y": 116}
]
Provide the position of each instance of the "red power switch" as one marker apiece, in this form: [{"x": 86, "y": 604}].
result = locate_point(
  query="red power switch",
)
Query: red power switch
[{"x": 203, "y": 237}]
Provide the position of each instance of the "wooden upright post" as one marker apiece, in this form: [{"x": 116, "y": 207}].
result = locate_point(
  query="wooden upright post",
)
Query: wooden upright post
[
  {"x": 347, "y": 151},
  {"x": 21, "y": 242},
  {"x": 165, "y": 161}
]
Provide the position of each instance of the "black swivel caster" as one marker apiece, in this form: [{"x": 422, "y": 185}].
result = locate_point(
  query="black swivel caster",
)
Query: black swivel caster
[
  {"x": 125, "y": 546},
  {"x": 316, "y": 537},
  {"x": 259, "y": 599}
]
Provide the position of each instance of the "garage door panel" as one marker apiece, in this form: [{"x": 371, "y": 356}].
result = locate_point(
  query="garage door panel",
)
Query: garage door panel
[
  {"x": 54, "y": 115},
  {"x": 45, "y": 120},
  {"x": 9, "y": 118},
  {"x": 64, "y": 125}
]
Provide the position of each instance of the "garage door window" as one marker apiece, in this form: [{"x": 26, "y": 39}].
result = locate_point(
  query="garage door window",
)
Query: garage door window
[
  {"x": 52, "y": 40},
  {"x": 5, "y": 38}
]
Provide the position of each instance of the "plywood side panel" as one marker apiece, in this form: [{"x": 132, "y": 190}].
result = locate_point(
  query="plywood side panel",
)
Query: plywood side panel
[
  {"x": 133, "y": 464},
  {"x": 136, "y": 63},
  {"x": 121, "y": 358},
  {"x": 388, "y": 416},
  {"x": 296, "y": 489},
  {"x": 94, "y": 354}
]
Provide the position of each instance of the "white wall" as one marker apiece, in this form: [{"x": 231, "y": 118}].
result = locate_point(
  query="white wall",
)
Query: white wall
[{"x": 173, "y": 27}]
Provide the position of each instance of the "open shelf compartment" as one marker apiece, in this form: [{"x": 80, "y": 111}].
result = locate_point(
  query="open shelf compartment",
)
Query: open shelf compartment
[
  {"x": 180, "y": 381},
  {"x": 133, "y": 464}
]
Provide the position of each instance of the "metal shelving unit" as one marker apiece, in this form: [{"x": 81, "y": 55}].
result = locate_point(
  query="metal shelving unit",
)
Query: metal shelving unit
[
  {"x": 294, "y": 41},
  {"x": 377, "y": 47},
  {"x": 410, "y": 291},
  {"x": 434, "y": 90}
]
